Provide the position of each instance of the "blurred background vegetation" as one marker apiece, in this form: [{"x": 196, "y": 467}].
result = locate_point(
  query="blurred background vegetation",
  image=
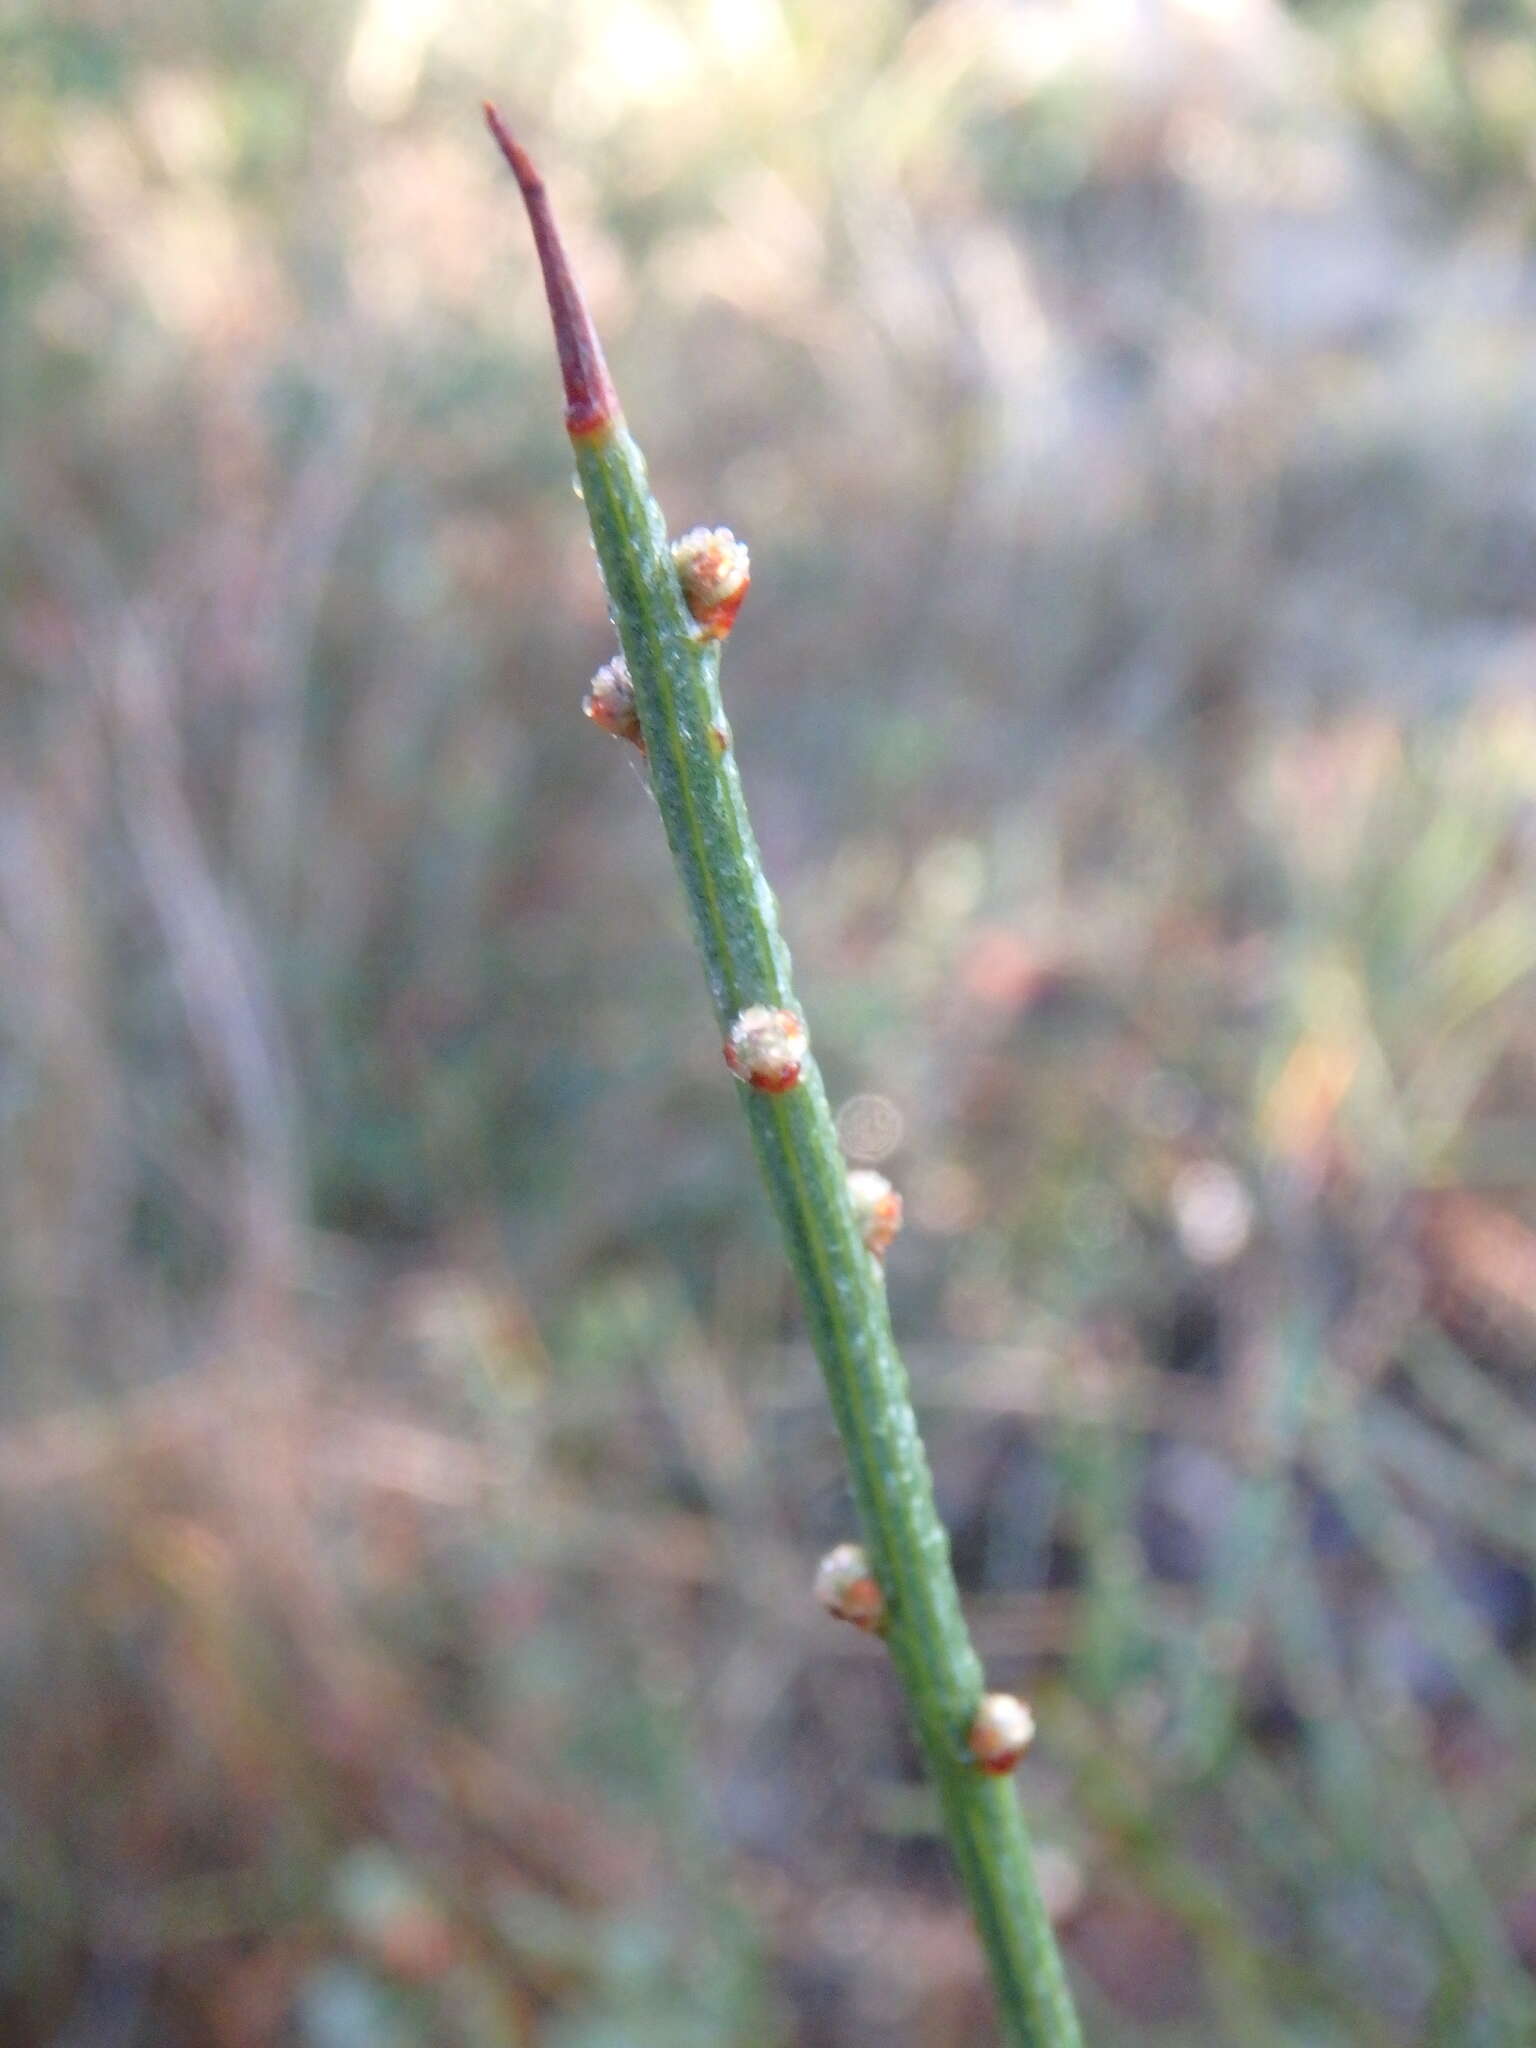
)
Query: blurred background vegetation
[{"x": 411, "y": 1469}]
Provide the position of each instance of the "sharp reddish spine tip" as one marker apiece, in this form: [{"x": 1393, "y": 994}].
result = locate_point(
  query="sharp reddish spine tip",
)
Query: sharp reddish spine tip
[{"x": 590, "y": 400}]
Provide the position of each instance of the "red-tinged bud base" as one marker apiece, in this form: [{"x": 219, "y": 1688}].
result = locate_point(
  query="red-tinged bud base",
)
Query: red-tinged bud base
[
  {"x": 716, "y": 622},
  {"x": 765, "y": 1084},
  {"x": 621, "y": 728}
]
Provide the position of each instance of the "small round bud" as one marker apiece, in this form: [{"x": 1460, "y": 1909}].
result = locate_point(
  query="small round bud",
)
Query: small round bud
[
  {"x": 876, "y": 1208},
  {"x": 1001, "y": 1732},
  {"x": 766, "y": 1048},
  {"x": 715, "y": 570},
  {"x": 610, "y": 702},
  {"x": 848, "y": 1590}
]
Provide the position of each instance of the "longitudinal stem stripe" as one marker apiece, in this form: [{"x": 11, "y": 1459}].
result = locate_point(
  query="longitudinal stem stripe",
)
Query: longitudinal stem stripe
[{"x": 673, "y": 664}]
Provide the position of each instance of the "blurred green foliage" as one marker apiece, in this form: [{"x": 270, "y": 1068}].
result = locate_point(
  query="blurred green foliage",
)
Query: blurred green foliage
[{"x": 410, "y": 1472}]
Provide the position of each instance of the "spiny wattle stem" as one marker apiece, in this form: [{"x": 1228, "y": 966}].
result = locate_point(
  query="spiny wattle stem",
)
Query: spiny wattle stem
[
  {"x": 590, "y": 400},
  {"x": 673, "y": 659}
]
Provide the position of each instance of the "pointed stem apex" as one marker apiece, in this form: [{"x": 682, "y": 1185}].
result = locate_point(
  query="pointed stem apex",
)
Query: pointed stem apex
[{"x": 591, "y": 403}]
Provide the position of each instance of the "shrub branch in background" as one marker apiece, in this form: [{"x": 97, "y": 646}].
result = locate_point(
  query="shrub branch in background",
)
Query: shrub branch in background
[{"x": 673, "y": 605}]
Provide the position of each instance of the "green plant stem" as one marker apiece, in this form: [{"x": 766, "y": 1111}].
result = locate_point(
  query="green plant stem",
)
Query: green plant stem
[
  {"x": 699, "y": 794},
  {"x": 676, "y": 676}
]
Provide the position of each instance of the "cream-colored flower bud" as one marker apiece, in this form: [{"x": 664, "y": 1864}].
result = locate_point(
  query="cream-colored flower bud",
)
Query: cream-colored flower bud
[
  {"x": 610, "y": 702},
  {"x": 1003, "y": 1729},
  {"x": 848, "y": 1589},
  {"x": 876, "y": 1207},
  {"x": 766, "y": 1048},
  {"x": 715, "y": 571}
]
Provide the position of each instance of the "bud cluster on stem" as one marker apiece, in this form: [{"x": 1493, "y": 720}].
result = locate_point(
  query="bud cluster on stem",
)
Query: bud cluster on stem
[
  {"x": 766, "y": 1048},
  {"x": 1003, "y": 1729},
  {"x": 715, "y": 571},
  {"x": 610, "y": 702},
  {"x": 878, "y": 1208},
  {"x": 849, "y": 1590}
]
